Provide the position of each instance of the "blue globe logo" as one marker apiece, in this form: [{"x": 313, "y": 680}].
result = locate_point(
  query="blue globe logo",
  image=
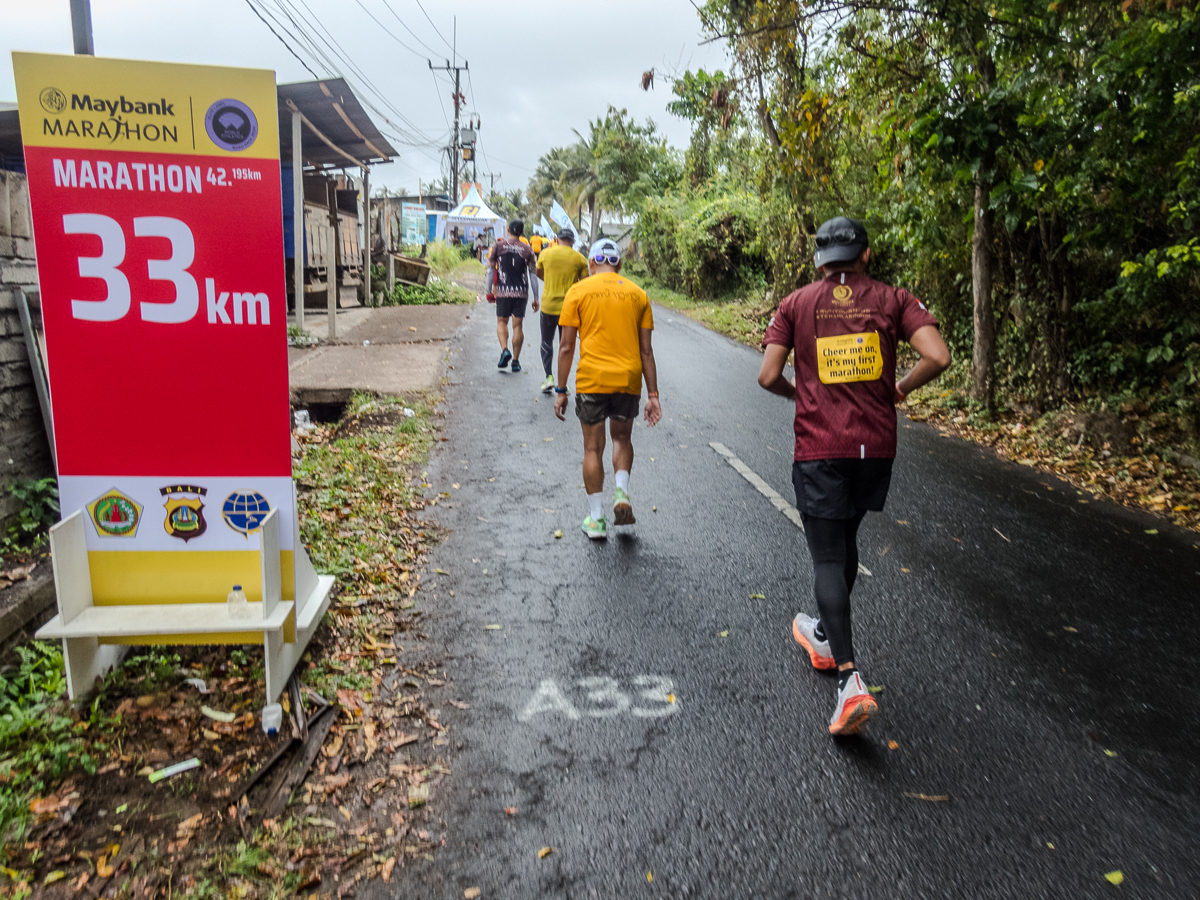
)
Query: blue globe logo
[{"x": 244, "y": 511}]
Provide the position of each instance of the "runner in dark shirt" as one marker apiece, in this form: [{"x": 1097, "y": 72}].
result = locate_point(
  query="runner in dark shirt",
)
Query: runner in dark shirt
[
  {"x": 844, "y": 329},
  {"x": 510, "y": 276}
]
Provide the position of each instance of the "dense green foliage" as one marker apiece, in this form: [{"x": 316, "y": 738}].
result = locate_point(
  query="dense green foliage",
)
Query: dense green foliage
[
  {"x": 38, "y": 510},
  {"x": 1065, "y": 137}
]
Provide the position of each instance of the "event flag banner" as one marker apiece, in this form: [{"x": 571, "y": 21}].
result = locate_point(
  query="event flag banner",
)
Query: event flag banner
[
  {"x": 559, "y": 215},
  {"x": 157, "y": 216}
]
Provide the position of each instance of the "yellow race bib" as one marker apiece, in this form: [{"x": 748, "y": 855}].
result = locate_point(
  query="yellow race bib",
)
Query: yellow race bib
[{"x": 849, "y": 357}]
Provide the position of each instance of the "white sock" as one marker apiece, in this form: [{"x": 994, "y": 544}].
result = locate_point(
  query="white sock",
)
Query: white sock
[
  {"x": 623, "y": 480},
  {"x": 596, "y": 502}
]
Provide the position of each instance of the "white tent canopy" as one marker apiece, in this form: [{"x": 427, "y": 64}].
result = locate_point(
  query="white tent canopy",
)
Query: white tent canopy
[{"x": 472, "y": 216}]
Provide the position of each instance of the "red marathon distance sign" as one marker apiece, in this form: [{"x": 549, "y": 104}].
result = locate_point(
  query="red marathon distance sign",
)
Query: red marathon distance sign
[{"x": 158, "y": 227}]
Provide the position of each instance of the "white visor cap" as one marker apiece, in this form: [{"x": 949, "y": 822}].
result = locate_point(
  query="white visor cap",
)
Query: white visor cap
[{"x": 605, "y": 251}]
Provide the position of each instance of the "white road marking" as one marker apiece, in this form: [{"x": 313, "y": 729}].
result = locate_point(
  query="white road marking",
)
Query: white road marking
[
  {"x": 792, "y": 514},
  {"x": 606, "y": 697}
]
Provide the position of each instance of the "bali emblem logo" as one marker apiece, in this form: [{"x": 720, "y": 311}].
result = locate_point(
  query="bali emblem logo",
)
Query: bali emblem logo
[
  {"x": 231, "y": 124},
  {"x": 244, "y": 511},
  {"x": 843, "y": 295},
  {"x": 185, "y": 511},
  {"x": 115, "y": 514}
]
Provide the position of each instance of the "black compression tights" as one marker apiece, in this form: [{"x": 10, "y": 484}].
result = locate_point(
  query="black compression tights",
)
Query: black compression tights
[{"x": 834, "y": 548}]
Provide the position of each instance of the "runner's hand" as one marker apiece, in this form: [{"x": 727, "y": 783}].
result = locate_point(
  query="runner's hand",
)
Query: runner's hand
[
  {"x": 560, "y": 406},
  {"x": 900, "y": 395},
  {"x": 653, "y": 411},
  {"x": 491, "y": 298},
  {"x": 535, "y": 304}
]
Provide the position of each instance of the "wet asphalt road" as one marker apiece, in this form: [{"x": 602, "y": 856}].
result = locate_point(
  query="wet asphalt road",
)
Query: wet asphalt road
[{"x": 1036, "y": 655}]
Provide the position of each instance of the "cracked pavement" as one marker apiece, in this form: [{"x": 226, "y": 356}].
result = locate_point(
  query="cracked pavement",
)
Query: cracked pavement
[{"x": 1031, "y": 648}]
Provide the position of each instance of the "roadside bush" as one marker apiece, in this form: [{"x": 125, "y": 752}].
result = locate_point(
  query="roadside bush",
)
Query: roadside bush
[
  {"x": 437, "y": 291},
  {"x": 708, "y": 246},
  {"x": 38, "y": 511}
]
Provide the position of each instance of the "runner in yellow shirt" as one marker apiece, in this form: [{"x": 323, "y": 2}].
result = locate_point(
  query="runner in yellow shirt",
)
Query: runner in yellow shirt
[
  {"x": 559, "y": 266},
  {"x": 612, "y": 318}
]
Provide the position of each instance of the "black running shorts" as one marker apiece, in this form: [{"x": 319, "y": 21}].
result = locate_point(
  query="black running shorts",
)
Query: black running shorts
[
  {"x": 594, "y": 408},
  {"x": 511, "y": 306},
  {"x": 841, "y": 488}
]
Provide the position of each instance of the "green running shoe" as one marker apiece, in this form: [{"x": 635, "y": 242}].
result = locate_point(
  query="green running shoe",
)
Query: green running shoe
[
  {"x": 622, "y": 509},
  {"x": 548, "y": 384},
  {"x": 596, "y": 529}
]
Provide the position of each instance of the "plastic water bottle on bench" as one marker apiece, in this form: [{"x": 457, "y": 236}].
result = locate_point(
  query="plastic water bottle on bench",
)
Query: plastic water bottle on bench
[{"x": 239, "y": 607}]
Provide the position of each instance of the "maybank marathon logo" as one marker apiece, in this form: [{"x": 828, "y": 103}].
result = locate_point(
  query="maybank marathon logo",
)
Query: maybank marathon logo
[
  {"x": 231, "y": 124},
  {"x": 110, "y": 117},
  {"x": 53, "y": 100}
]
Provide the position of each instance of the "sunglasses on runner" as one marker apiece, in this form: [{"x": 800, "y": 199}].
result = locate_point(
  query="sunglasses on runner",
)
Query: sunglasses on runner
[
  {"x": 841, "y": 236},
  {"x": 606, "y": 259}
]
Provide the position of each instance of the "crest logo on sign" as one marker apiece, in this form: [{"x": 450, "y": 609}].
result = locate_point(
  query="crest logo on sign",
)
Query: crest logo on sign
[
  {"x": 115, "y": 514},
  {"x": 231, "y": 124},
  {"x": 185, "y": 511},
  {"x": 244, "y": 511}
]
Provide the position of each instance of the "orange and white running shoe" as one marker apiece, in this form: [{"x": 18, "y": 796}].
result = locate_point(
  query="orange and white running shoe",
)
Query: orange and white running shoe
[
  {"x": 804, "y": 631},
  {"x": 854, "y": 707}
]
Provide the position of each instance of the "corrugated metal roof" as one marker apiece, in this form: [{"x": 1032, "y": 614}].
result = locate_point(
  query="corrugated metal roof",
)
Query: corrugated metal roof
[{"x": 333, "y": 109}]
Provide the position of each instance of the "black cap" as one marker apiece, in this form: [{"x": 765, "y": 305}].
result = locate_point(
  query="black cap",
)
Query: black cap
[
  {"x": 840, "y": 240},
  {"x": 516, "y": 228},
  {"x": 566, "y": 234}
]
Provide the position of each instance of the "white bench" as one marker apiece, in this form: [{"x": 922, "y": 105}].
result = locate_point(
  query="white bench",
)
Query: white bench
[{"x": 96, "y": 637}]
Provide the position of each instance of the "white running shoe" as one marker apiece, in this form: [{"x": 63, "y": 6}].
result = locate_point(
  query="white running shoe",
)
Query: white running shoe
[
  {"x": 804, "y": 629},
  {"x": 854, "y": 707}
]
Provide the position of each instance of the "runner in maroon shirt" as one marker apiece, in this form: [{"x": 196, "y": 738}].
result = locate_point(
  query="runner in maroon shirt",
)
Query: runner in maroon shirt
[{"x": 844, "y": 329}]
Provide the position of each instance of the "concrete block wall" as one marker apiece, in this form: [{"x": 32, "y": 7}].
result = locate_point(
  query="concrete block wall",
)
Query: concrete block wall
[{"x": 24, "y": 450}]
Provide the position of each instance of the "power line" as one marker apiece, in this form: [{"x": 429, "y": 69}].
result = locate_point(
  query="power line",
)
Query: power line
[
  {"x": 406, "y": 28},
  {"x": 282, "y": 41},
  {"x": 388, "y": 33},
  {"x": 435, "y": 28},
  {"x": 340, "y": 52}
]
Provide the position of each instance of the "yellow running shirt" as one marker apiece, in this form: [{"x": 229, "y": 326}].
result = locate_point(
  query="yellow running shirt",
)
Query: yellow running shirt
[
  {"x": 608, "y": 309},
  {"x": 560, "y": 267}
]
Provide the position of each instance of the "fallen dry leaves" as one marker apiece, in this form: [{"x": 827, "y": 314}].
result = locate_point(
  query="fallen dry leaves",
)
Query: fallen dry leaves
[{"x": 1127, "y": 456}]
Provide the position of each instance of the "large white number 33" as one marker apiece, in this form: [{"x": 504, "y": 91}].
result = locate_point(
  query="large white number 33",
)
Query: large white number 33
[
  {"x": 112, "y": 253},
  {"x": 183, "y": 251}
]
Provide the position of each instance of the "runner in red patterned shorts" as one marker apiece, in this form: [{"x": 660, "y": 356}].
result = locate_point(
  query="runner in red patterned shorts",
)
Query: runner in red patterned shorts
[{"x": 845, "y": 329}]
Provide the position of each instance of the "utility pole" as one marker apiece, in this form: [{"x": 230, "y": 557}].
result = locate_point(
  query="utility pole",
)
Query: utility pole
[
  {"x": 81, "y": 27},
  {"x": 454, "y": 148}
]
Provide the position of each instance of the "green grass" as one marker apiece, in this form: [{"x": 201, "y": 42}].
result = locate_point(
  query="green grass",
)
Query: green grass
[
  {"x": 744, "y": 319},
  {"x": 40, "y": 740},
  {"x": 445, "y": 260},
  {"x": 437, "y": 291},
  {"x": 355, "y": 489}
]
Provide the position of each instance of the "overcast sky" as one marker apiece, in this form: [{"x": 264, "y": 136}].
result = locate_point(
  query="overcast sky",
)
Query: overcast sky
[{"x": 536, "y": 70}]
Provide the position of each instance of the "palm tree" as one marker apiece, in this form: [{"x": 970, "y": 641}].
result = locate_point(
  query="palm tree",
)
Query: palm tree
[{"x": 580, "y": 181}]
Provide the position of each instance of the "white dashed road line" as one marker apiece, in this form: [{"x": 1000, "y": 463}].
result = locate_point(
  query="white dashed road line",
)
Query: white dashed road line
[{"x": 792, "y": 514}]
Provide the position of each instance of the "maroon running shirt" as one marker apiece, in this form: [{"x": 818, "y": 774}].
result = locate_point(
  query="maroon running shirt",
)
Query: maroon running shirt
[{"x": 856, "y": 419}]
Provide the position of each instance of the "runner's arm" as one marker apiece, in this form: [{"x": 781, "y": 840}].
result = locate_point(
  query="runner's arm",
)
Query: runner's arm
[
  {"x": 566, "y": 359},
  {"x": 771, "y": 377},
  {"x": 935, "y": 359},
  {"x": 650, "y": 373}
]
